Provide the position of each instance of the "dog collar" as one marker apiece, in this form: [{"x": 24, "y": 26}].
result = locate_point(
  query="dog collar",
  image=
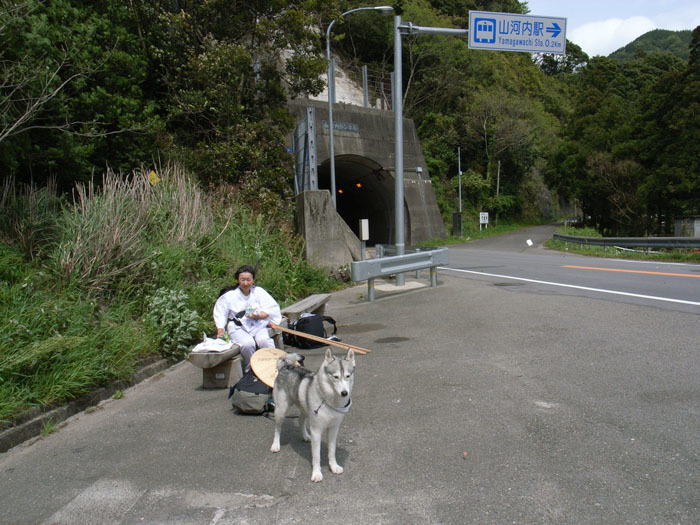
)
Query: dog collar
[{"x": 342, "y": 410}]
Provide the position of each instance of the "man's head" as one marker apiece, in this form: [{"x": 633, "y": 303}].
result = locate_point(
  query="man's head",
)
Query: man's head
[{"x": 245, "y": 275}]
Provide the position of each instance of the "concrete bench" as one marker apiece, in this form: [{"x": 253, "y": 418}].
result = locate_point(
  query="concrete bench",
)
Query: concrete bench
[
  {"x": 315, "y": 303},
  {"x": 219, "y": 369}
]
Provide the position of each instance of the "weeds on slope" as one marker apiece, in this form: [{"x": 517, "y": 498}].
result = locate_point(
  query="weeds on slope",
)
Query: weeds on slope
[{"x": 123, "y": 270}]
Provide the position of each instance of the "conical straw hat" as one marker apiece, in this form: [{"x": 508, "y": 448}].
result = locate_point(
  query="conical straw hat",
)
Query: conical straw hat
[{"x": 264, "y": 364}]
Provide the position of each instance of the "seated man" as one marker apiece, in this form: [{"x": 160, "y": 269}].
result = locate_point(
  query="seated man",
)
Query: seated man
[{"x": 245, "y": 313}]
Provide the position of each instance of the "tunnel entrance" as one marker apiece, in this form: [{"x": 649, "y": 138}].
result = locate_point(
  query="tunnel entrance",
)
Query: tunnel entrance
[{"x": 364, "y": 190}]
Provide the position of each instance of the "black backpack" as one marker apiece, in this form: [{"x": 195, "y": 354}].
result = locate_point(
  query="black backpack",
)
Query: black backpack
[
  {"x": 309, "y": 324},
  {"x": 250, "y": 395}
]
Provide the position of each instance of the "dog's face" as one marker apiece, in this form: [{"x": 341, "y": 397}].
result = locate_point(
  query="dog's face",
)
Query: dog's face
[{"x": 340, "y": 373}]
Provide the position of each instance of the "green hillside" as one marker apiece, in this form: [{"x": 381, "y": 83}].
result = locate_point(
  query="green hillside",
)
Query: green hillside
[{"x": 656, "y": 41}]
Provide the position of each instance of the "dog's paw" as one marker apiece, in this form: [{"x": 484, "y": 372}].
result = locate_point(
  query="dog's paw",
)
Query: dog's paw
[
  {"x": 336, "y": 469},
  {"x": 275, "y": 447},
  {"x": 316, "y": 476}
]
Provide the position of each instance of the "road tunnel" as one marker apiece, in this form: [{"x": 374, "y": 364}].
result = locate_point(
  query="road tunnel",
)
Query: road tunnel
[{"x": 364, "y": 190}]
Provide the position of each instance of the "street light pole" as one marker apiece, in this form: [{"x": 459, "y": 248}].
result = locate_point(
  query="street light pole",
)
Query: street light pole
[
  {"x": 398, "y": 147},
  {"x": 384, "y": 9}
]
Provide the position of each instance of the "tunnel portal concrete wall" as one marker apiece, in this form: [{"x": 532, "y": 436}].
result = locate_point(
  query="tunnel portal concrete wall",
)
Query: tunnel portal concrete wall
[
  {"x": 329, "y": 242},
  {"x": 369, "y": 133}
]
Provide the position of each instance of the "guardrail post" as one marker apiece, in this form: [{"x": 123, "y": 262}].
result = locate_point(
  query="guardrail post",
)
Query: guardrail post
[
  {"x": 370, "y": 289},
  {"x": 433, "y": 276}
]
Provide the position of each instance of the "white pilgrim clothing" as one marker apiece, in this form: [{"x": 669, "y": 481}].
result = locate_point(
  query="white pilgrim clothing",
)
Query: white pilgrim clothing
[{"x": 252, "y": 332}]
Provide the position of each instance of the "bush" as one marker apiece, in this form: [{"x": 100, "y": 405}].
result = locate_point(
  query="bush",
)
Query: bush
[{"x": 169, "y": 315}]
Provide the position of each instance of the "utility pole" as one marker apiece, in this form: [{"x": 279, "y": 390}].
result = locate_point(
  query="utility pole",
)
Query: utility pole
[
  {"x": 457, "y": 217},
  {"x": 498, "y": 184}
]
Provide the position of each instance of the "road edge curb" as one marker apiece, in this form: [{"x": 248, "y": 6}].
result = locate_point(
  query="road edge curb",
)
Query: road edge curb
[{"x": 18, "y": 434}]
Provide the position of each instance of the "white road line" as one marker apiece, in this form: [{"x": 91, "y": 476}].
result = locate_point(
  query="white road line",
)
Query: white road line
[{"x": 600, "y": 290}]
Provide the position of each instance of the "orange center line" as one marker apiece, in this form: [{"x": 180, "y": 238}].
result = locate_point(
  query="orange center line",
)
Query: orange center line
[{"x": 632, "y": 271}]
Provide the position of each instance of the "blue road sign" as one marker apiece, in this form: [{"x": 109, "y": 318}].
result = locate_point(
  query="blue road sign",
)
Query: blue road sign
[{"x": 513, "y": 32}]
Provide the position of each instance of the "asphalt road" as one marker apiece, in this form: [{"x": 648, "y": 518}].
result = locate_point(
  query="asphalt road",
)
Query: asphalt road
[
  {"x": 510, "y": 261},
  {"x": 480, "y": 403}
]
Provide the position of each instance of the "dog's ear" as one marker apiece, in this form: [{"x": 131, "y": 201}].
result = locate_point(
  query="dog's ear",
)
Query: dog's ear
[
  {"x": 329, "y": 355},
  {"x": 350, "y": 357}
]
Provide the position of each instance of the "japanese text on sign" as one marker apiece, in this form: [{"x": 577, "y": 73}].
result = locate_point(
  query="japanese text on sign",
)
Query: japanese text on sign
[{"x": 511, "y": 32}]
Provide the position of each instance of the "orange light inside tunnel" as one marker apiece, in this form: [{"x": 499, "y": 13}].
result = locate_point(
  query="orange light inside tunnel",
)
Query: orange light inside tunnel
[
  {"x": 340, "y": 191},
  {"x": 358, "y": 185}
]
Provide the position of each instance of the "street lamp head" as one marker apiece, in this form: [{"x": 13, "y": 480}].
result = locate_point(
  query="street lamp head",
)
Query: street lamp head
[{"x": 384, "y": 9}]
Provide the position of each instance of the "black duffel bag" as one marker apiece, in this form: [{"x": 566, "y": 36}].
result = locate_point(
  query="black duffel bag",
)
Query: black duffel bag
[
  {"x": 311, "y": 324},
  {"x": 250, "y": 395}
]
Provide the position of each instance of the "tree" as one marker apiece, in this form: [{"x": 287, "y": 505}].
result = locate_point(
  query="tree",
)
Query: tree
[
  {"x": 694, "y": 48},
  {"x": 629, "y": 147},
  {"x": 501, "y": 123},
  {"x": 619, "y": 181},
  {"x": 669, "y": 134},
  {"x": 29, "y": 81},
  {"x": 226, "y": 83},
  {"x": 570, "y": 62},
  {"x": 69, "y": 88}
]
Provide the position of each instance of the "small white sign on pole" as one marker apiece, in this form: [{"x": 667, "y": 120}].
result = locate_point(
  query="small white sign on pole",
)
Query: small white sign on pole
[
  {"x": 364, "y": 229},
  {"x": 364, "y": 236},
  {"x": 483, "y": 219}
]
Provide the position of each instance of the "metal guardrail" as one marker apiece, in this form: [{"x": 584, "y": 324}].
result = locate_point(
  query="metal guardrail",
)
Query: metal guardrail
[
  {"x": 387, "y": 250},
  {"x": 369, "y": 269},
  {"x": 632, "y": 242}
]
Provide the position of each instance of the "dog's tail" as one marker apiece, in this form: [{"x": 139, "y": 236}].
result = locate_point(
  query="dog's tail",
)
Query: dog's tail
[{"x": 290, "y": 360}]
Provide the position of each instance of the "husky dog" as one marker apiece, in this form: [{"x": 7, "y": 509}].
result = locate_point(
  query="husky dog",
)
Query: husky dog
[{"x": 323, "y": 399}]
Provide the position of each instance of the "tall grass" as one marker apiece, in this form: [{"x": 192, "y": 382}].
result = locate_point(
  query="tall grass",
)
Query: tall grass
[
  {"x": 28, "y": 215},
  {"x": 130, "y": 269},
  {"x": 109, "y": 232}
]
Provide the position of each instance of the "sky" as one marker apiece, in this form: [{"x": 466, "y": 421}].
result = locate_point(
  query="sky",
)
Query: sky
[{"x": 601, "y": 27}]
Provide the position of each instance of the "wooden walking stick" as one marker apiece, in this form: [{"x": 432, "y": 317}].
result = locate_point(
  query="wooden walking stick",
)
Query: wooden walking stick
[{"x": 339, "y": 344}]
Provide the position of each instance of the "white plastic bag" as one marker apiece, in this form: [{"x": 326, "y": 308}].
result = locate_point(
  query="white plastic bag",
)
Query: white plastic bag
[{"x": 213, "y": 345}]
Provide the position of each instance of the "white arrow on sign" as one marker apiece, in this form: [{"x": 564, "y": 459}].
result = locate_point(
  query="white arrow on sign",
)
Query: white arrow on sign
[
  {"x": 513, "y": 32},
  {"x": 554, "y": 30}
]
